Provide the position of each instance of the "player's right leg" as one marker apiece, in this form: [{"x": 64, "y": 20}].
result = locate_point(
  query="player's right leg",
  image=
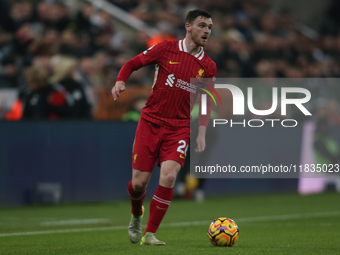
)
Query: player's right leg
[
  {"x": 144, "y": 156},
  {"x": 137, "y": 191}
]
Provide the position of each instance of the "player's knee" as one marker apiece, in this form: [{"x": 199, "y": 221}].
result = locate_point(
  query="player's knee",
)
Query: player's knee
[
  {"x": 170, "y": 179},
  {"x": 139, "y": 185}
]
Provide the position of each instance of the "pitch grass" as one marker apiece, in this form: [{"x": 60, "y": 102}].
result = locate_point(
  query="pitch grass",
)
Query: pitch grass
[{"x": 269, "y": 224}]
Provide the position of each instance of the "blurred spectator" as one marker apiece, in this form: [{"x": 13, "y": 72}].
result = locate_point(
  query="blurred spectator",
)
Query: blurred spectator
[
  {"x": 8, "y": 68},
  {"x": 43, "y": 62},
  {"x": 85, "y": 71},
  {"x": 54, "y": 15},
  {"x": 38, "y": 98},
  {"x": 71, "y": 45},
  {"x": 49, "y": 43},
  {"x": 141, "y": 42},
  {"x": 331, "y": 22},
  {"x": 27, "y": 38},
  {"x": 265, "y": 69},
  {"x": 102, "y": 42},
  {"x": 102, "y": 21},
  {"x": 84, "y": 26},
  {"x": 20, "y": 12},
  {"x": 100, "y": 69},
  {"x": 147, "y": 11},
  {"x": 63, "y": 75}
]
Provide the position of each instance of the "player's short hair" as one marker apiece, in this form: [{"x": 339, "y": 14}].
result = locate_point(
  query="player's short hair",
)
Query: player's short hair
[{"x": 192, "y": 15}]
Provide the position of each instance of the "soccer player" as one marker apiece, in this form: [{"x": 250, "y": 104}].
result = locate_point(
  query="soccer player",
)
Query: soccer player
[{"x": 163, "y": 130}]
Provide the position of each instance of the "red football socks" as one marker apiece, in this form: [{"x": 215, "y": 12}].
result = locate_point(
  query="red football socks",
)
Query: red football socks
[
  {"x": 158, "y": 207},
  {"x": 136, "y": 199}
]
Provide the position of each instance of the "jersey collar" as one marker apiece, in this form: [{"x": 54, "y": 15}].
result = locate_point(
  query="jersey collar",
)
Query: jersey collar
[{"x": 183, "y": 47}]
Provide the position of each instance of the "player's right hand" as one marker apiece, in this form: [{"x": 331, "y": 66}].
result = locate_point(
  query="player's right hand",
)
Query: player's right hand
[{"x": 118, "y": 87}]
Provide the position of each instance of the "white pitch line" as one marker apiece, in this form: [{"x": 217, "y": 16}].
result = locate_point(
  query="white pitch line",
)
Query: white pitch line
[
  {"x": 74, "y": 222},
  {"x": 290, "y": 216},
  {"x": 261, "y": 218},
  {"x": 188, "y": 223},
  {"x": 64, "y": 231}
]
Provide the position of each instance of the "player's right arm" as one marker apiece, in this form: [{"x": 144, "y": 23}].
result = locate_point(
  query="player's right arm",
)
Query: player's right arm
[
  {"x": 149, "y": 56},
  {"x": 117, "y": 88},
  {"x": 124, "y": 73}
]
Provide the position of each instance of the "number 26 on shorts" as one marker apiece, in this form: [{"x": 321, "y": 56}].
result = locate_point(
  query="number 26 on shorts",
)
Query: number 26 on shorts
[{"x": 183, "y": 147}]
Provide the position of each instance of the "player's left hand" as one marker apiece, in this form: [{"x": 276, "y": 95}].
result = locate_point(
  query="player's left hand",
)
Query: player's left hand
[{"x": 200, "y": 140}]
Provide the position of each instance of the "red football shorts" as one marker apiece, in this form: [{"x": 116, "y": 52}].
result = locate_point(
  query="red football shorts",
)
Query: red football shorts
[{"x": 154, "y": 142}]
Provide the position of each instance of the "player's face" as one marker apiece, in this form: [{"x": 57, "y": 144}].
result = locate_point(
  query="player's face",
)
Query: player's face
[{"x": 200, "y": 30}]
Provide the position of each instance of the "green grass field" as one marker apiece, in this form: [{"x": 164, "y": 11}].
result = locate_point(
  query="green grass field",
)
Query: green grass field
[{"x": 269, "y": 224}]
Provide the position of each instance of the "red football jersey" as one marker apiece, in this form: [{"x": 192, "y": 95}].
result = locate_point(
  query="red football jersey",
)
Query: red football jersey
[
  {"x": 172, "y": 96},
  {"x": 169, "y": 102}
]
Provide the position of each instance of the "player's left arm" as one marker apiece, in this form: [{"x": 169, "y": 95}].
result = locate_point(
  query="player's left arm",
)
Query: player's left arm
[{"x": 203, "y": 120}]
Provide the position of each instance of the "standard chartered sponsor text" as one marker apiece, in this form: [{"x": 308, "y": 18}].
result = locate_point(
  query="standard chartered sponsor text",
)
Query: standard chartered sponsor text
[{"x": 186, "y": 86}]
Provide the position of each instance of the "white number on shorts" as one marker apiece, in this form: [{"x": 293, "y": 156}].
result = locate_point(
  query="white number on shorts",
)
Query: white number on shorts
[{"x": 183, "y": 148}]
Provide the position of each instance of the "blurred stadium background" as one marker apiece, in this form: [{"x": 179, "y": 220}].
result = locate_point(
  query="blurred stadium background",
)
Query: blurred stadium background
[{"x": 63, "y": 138}]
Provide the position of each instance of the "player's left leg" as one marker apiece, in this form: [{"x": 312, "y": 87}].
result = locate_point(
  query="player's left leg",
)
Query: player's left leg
[{"x": 161, "y": 200}]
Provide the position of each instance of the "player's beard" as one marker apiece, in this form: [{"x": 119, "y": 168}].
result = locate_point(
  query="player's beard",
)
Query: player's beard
[{"x": 197, "y": 38}]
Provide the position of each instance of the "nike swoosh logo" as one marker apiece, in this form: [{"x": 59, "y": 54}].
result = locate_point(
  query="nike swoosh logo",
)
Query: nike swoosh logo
[
  {"x": 173, "y": 63},
  {"x": 161, "y": 208},
  {"x": 181, "y": 156}
]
